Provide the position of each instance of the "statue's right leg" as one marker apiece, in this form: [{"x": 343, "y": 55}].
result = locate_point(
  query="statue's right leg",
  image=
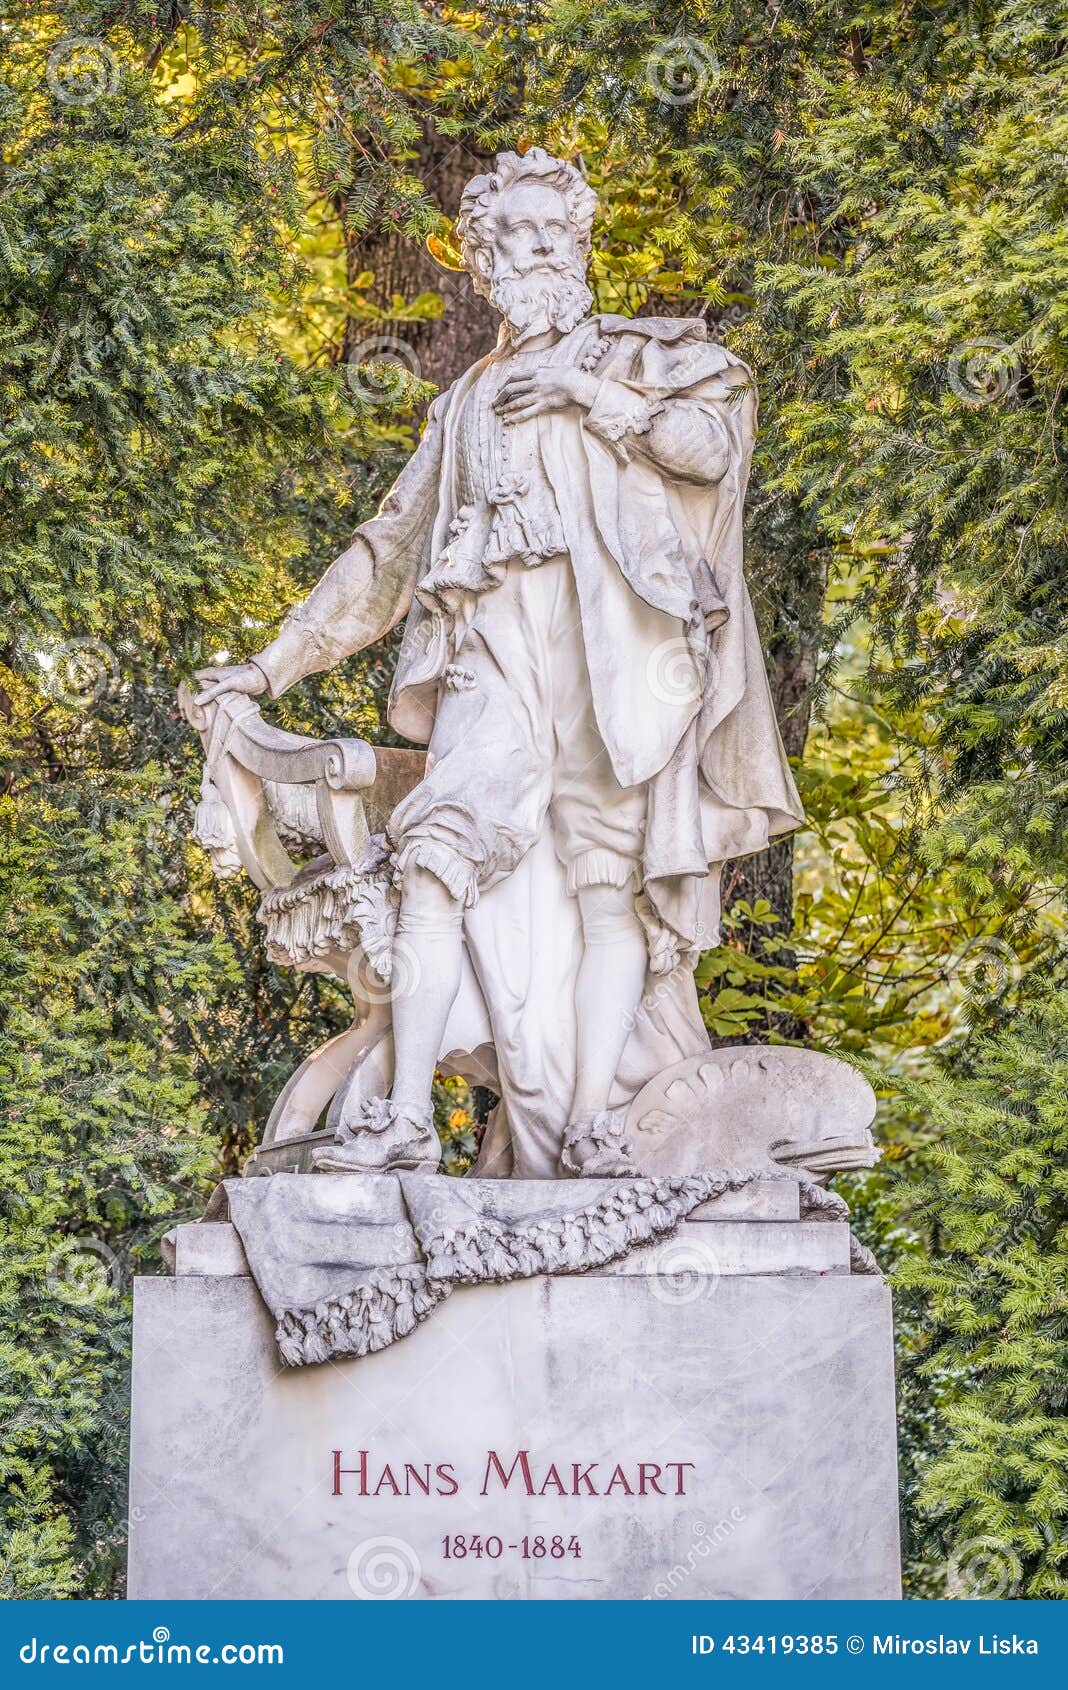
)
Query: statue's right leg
[
  {"x": 429, "y": 940},
  {"x": 399, "y": 1131}
]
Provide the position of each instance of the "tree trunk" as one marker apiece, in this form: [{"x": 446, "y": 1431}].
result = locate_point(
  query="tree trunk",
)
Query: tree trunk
[
  {"x": 445, "y": 346},
  {"x": 788, "y": 583}
]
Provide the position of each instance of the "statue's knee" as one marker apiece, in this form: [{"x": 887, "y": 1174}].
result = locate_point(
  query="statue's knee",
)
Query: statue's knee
[
  {"x": 420, "y": 885},
  {"x": 427, "y": 902},
  {"x": 608, "y": 915}
]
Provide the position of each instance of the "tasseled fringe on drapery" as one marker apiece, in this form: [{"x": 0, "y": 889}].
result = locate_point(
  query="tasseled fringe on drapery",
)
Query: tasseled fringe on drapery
[
  {"x": 820, "y": 1205},
  {"x": 388, "y": 1304},
  {"x": 310, "y": 919},
  {"x": 636, "y": 1212}
]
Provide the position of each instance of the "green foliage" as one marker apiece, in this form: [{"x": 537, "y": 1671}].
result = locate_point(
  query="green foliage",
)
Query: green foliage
[
  {"x": 944, "y": 311},
  {"x": 164, "y": 464},
  {"x": 874, "y": 198},
  {"x": 741, "y": 985},
  {"x": 101, "y": 1145},
  {"x": 994, "y": 1202},
  {"x": 454, "y": 1118}
]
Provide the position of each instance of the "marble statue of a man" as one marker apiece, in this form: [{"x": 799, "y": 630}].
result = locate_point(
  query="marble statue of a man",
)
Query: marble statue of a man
[{"x": 582, "y": 660}]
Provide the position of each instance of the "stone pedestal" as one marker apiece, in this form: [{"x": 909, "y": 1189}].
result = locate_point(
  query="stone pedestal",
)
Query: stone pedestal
[{"x": 712, "y": 1417}]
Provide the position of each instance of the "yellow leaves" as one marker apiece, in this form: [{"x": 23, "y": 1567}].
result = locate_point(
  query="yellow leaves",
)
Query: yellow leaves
[
  {"x": 444, "y": 248},
  {"x": 179, "y": 89},
  {"x": 885, "y": 393},
  {"x": 626, "y": 266},
  {"x": 456, "y": 70}
]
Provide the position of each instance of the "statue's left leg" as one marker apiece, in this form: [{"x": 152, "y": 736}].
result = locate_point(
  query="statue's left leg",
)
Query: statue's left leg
[
  {"x": 607, "y": 994},
  {"x": 609, "y": 988}
]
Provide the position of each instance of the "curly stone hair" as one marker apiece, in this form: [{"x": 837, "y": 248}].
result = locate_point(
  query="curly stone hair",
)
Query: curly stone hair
[{"x": 473, "y": 224}]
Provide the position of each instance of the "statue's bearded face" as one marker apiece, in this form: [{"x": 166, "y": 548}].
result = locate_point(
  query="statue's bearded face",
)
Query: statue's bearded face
[{"x": 537, "y": 276}]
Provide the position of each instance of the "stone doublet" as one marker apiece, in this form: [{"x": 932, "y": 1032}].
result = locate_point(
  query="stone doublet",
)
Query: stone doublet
[{"x": 507, "y": 512}]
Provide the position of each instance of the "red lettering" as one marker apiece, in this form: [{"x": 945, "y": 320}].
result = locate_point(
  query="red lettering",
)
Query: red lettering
[
  {"x": 649, "y": 1467},
  {"x": 387, "y": 1478},
  {"x": 412, "y": 1476},
  {"x": 444, "y": 1471},
  {"x": 494, "y": 1464},
  {"x": 680, "y": 1483},
  {"x": 552, "y": 1477},
  {"x": 339, "y": 1472}
]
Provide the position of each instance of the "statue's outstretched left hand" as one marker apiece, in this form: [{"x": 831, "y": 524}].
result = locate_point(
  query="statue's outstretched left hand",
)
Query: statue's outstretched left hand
[{"x": 230, "y": 677}]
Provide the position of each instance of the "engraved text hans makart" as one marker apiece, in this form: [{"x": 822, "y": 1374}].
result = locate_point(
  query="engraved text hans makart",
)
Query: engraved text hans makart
[{"x": 518, "y": 1472}]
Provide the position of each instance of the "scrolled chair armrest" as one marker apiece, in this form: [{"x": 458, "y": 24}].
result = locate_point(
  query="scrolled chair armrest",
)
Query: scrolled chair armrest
[
  {"x": 245, "y": 755},
  {"x": 347, "y": 765}
]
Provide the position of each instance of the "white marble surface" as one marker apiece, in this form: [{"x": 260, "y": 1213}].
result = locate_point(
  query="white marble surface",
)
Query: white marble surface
[
  {"x": 778, "y": 1388},
  {"x": 765, "y": 1200},
  {"x": 207, "y": 1248},
  {"x": 774, "y": 1106},
  {"x": 739, "y": 1247},
  {"x": 377, "y": 1215}
]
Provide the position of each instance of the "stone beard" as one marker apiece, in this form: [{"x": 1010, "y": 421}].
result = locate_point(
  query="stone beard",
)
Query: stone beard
[
  {"x": 513, "y": 1473},
  {"x": 550, "y": 295}
]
